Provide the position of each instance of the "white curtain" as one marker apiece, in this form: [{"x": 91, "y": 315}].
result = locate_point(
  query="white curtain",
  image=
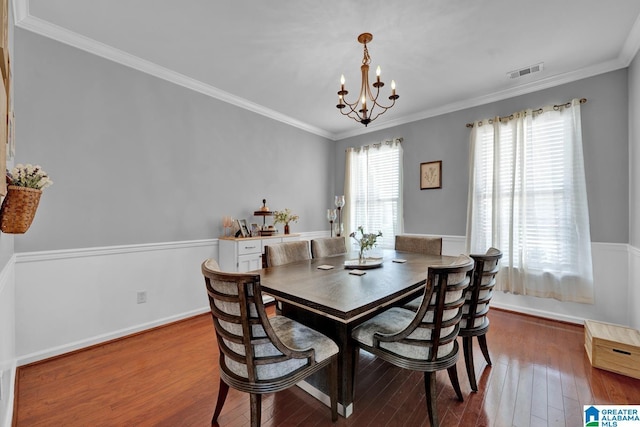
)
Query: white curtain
[
  {"x": 373, "y": 190},
  {"x": 527, "y": 197}
]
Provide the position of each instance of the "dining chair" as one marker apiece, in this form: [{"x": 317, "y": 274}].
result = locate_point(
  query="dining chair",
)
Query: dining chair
[
  {"x": 258, "y": 354},
  {"x": 329, "y": 246},
  {"x": 475, "y": 322},
  {"x": 427, "y": 245},
  {"x": 424, "y": 340},
  {"x": 286, "y": 252}
]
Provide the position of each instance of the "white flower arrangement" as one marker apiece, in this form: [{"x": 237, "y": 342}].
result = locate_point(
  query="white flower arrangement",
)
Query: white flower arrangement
[
  {"x": 28, "y": 176},
  {"x": 285, "y": 217},
  {"x": 366, "y": 241}
]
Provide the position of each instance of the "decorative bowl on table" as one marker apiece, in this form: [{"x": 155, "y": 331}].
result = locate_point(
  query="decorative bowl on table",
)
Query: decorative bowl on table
[{"x": 363, "y": 264}]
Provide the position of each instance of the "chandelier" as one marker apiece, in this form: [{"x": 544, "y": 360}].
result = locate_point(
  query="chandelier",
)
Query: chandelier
[{"x": 364, "y": 110}]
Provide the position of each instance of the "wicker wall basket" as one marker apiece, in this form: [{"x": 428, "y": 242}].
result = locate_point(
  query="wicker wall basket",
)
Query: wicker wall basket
[{"x": 18, "y": 209}]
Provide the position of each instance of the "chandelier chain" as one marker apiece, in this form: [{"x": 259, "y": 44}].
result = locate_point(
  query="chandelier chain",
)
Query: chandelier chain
[{"x": 367, "y": 59}]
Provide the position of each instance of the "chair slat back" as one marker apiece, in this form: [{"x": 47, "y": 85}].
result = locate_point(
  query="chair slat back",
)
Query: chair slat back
[
  {"x": 286, "y": 252},
  {"x": 478, "y": 294},
  {"x": 420, "y": 244},
  {"x": 441, "y": 308},
  {"x": 329, "y": 246},
  {"x": 250, "y": 351}
]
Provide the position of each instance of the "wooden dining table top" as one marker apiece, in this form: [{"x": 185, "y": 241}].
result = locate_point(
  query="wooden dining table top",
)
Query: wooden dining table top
[{"x": 345, "y": 297}]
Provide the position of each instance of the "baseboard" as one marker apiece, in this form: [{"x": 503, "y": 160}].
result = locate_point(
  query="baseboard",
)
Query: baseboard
[
  {"x": 7, "y": 420},
  {"x": 538, "y": 313},
  {"x": 99, "y": 339}
]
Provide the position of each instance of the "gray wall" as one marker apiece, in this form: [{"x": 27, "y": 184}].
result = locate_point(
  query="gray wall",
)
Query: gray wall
[
  {"x": 136, "y": 159},
  {"x": 443, "y": 211}
]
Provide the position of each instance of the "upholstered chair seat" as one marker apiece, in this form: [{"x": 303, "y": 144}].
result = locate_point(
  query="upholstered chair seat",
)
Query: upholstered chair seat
[
  {"x": 329, "y": 246},
  {"x": 393, "y": 321},
  {"x": 424, "y": 340},
  {"x": 259, "y": 354}
]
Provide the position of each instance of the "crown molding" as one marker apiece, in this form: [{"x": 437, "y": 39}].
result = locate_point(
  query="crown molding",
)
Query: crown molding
[
  {"x": 631, "y": 45},
  {"x": 47, "y": 29}
]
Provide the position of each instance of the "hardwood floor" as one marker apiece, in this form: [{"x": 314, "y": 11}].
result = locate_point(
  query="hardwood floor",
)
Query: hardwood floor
[{"x": 169, "y": 377}]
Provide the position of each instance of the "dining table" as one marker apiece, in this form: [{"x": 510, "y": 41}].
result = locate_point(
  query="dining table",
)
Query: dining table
[{"x": 335, "y": 294}]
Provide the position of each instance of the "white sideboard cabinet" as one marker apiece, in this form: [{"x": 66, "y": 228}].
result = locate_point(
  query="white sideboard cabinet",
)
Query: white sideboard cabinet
[{"x": 242, "y": 254}]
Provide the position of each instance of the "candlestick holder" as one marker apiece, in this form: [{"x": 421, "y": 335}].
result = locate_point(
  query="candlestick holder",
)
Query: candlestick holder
[
  {"x": 339, "y": 202},
  {"x": 331, "y": 216}
]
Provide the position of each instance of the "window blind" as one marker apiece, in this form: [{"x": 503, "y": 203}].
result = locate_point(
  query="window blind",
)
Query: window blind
[{"x": 376, "y": 190}]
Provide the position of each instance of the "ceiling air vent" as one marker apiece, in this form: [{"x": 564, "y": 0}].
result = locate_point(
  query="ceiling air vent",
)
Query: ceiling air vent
[{"x": 525, "y": 71}]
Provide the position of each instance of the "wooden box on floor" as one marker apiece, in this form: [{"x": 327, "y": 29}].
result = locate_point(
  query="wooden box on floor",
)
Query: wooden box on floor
[{"x": 613, "y": 348}]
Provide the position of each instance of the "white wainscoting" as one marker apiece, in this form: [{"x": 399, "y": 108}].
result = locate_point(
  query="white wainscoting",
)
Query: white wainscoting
[
  {"x": 67, "y": 300},
  {"x": 611, "y": 277},
  {"x": 7, "y": 343},
  {"x": 634, "y": 287}
]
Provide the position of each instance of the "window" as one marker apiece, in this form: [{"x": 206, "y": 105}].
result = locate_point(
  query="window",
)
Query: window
[
  {"x": 373, "y": 190},
  {"x": 528, "y": 198}
]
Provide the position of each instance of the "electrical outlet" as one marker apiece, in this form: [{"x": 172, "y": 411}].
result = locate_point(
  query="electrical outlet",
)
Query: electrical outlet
[{"x": 142, "y": 297}]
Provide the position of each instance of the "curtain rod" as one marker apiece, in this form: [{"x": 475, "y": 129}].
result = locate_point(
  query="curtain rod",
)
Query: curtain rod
[
  {"x": 397, "y": 140},
  {"x": 539, "y": 110}
]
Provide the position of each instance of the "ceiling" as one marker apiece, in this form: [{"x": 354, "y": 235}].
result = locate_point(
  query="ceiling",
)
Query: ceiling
[{"x": 283, "y": 59}]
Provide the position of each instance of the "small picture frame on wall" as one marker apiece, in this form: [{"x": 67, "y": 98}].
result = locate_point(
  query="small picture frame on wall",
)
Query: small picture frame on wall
[
  {"x": 431, "y": 175},
  {"x": 243, "y": 230}
]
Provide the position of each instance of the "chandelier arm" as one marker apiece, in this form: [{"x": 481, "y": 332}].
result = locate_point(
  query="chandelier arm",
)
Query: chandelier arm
[
  {"x": 351, "y": 111},
  {"x": 380, "y": 113},
  {"x": 384, "y": 109},
  {"x": 382, "y": 106}
]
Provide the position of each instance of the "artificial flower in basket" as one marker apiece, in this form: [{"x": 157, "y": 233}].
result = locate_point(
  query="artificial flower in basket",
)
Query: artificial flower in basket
[
  {"x": 24, "y": 188},
  {"x": 366, "y": 241},
  {"x": 285, "y": 217}
]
